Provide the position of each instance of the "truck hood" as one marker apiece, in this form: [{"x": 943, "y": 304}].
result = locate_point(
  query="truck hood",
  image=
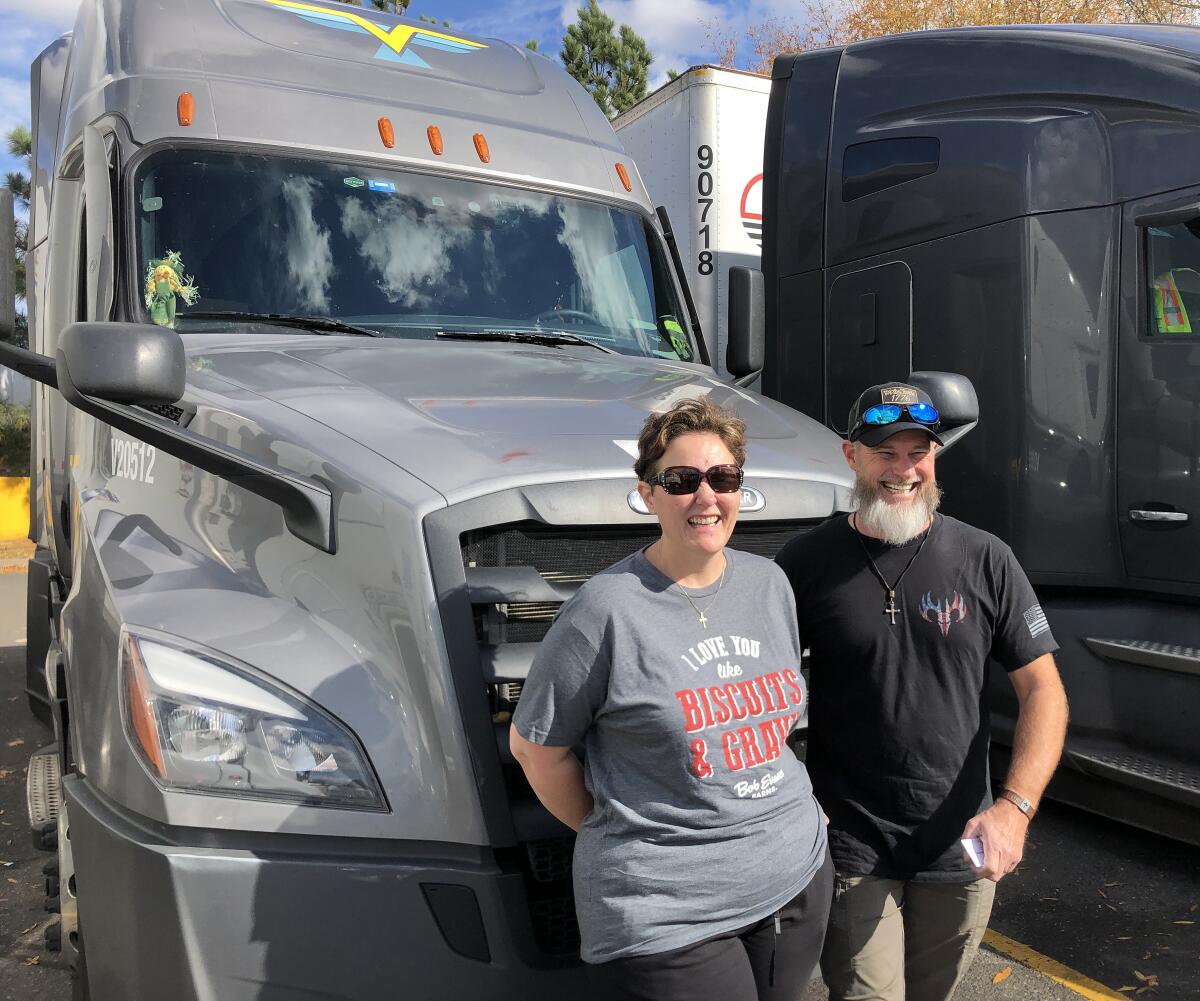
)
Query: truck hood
[{"x": 473, "y": 418}]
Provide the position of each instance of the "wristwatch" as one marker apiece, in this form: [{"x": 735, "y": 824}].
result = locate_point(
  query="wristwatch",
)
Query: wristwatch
[{"x": 1019, "y": 801}]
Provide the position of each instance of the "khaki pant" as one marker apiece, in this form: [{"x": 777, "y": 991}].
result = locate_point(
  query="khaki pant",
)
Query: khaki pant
[{"x": 891, "y": 940}]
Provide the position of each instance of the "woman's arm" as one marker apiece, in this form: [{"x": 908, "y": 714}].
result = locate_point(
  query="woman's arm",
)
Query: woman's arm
[{"x": 556, "y": 776}]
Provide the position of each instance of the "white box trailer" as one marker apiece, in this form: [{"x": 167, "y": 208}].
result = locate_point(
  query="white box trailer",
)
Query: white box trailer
[{"x": 698, "y": 143}]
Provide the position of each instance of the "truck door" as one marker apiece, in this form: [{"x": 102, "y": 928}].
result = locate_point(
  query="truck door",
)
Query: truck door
[
  {"x": 1158, "y": 397},
  {"x": 868, "y": 333}
]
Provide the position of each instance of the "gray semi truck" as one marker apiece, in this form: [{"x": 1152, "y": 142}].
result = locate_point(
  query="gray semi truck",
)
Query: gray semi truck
[
  {"x": 1022, "y": 205},
  {"x": 344, "y": 327}
]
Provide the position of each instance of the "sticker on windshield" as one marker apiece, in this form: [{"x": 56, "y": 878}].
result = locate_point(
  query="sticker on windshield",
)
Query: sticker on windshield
[
  {"x": 165, "y": 279},
  {"x": 675, "y": 334},
  {"x": 353, "y": 182},
  {"x": 376, "y": 185},
  {"x": 152, "y": 204}
]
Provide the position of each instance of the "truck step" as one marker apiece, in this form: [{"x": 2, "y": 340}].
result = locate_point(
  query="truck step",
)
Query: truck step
[
  {"x": 43, "y": 795},
  {"x": 1165, "y": 656},
  {"x": 1174, "y": 780}
]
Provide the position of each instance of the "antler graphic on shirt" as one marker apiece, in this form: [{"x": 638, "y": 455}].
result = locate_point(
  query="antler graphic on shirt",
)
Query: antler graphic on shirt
[{"x": 945, "y": 614}]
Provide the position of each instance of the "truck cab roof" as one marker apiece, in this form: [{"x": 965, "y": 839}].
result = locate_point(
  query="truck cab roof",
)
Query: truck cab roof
[
  {"x": 1018, "y": 121},
  {"x": 320, "y": 76}
]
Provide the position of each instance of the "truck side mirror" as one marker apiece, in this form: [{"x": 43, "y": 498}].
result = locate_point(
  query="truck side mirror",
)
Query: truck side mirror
[
  {"x": 8, "y": 267},
  {"x": 746, "y": 348},
  {"x": 97, "y": 200},
  {"x": 955, "y": 399},
  {"x": 137, "y": 363}
]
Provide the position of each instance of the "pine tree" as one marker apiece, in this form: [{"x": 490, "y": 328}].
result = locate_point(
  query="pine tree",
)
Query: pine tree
[
  {"x": 611, "y": 65},
  {"x": 385, "y": 6}
]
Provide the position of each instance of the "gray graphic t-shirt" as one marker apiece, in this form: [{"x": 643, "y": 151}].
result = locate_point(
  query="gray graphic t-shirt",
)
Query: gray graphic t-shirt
[{"x": 704, "y": 821}]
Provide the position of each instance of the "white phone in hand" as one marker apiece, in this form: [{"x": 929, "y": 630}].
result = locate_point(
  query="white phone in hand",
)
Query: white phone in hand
[{"x": 974, "y": 849}]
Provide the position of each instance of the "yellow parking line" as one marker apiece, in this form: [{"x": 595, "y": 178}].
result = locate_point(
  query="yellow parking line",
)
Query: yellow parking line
[{"x": 1083, "y": 986}]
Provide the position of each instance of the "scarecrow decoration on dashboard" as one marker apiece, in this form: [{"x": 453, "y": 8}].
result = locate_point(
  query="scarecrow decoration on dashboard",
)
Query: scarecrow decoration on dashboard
[{"x": 165, "y": 279}]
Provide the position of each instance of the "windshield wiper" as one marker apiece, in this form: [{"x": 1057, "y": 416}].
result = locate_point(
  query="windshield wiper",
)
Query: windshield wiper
[
  {"x": 315, "y": 324},
  {"x": 549, "y": 338}
]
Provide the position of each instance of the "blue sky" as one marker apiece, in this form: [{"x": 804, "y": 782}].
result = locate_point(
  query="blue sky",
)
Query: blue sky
[{"x": 676, "y": 31}]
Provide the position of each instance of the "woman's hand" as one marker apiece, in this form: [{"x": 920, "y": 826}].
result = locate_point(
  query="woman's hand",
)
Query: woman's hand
[{"x": 556, "y": 776}]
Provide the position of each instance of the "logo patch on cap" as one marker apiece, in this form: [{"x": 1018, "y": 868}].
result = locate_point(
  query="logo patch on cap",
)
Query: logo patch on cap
[{"x": 898, "y": 394}]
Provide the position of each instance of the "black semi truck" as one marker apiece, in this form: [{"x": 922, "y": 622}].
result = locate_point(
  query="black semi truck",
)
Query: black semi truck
[{"x": 1022, "y": 206}]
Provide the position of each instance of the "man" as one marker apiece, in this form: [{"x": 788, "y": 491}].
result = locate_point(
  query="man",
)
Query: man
[{"x": 901, "y": 608}]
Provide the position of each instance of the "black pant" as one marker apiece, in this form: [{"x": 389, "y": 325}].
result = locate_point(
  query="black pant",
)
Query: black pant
[{"x": 770, "y": 960}]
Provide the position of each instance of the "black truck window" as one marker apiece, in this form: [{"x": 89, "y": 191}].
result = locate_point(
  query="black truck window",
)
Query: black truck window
[{"x": 1172, "y": 280}]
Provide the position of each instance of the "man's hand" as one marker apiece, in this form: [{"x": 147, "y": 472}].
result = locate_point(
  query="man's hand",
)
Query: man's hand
[{"x": 1002, "y": 827}]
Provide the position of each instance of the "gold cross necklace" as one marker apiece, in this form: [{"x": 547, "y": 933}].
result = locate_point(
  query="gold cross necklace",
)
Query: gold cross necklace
[{"x": 700, "y": 611}]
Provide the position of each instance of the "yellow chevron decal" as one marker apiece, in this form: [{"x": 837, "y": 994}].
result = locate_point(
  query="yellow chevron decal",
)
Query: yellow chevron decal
[{"x": 396, "y": 39}]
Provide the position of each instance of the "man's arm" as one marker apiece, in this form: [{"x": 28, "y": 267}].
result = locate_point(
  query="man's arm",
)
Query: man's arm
[
  {"x": 1037, "y": 744},
  {"x": 556, "y": 775}
]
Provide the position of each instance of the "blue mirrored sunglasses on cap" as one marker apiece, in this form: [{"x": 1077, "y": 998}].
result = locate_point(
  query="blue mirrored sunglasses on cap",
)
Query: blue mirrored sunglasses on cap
[{"x": 889, "y": 413}]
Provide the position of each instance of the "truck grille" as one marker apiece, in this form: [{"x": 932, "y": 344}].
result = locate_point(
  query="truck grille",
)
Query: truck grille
[{"x": 518, "y": 576}]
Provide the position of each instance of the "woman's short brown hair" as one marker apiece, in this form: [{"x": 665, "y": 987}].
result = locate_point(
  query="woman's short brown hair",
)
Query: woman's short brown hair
[{"x": 699, "y": 416}]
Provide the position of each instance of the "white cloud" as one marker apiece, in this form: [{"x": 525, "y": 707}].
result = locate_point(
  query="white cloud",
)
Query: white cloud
[
  {"x": 58, "y": 13},
  {"x": 675, "y": 27},
  {"x": 515, "y": 22},
  {"x": 14, "y": 110}
]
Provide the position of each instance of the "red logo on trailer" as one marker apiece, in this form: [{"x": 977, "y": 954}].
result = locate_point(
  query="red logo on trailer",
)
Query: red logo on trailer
[{"x": 751, "y": 209}]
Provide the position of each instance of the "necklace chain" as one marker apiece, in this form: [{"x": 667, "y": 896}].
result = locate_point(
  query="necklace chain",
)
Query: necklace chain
[
  {"x": 696, "y": 608},
  {"x": 889, "y": 605}
]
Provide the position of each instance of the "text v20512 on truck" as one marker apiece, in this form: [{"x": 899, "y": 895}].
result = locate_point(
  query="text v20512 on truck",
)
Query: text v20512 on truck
[
  {"x": 344, "y": 328},
  {"x": 1022, "y": 206}
]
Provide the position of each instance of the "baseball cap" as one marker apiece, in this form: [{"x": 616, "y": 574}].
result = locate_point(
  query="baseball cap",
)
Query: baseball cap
[{"x": 898, "y": 394}]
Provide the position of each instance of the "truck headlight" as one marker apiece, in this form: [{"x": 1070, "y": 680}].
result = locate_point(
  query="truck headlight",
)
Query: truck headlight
[{"x": 204, "y": 724}]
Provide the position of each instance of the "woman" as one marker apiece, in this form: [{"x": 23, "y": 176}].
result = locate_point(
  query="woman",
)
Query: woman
[{"x": 700, "y": 867}]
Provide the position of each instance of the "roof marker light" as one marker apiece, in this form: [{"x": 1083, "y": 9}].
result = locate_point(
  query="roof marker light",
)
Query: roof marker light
[
  {"x": 623, "y": 174},
  {"x": 435, "y": 139},
  {"x": 481, "y": 147},
  {"x": 185, "y": 108},
  {"x": 387, "y": 133}
]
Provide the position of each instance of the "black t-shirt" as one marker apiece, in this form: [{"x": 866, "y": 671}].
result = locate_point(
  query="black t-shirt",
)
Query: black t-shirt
[{"x": 898, "y": 724}]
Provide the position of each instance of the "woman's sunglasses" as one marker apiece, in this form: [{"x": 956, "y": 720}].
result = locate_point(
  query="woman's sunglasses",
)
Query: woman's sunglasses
[
  {"x": 678, "y": 480},
  {"x": 889, "y": 413}
]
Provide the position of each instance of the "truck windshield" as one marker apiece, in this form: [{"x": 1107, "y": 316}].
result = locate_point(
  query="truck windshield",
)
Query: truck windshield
[{"x": 405, "y": 254}]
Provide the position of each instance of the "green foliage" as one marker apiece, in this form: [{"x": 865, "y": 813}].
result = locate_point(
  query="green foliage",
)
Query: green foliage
[
  {"x": 532, "y": 45},
  {"x": 20, "y": 145},
  {"x": 14, "y": 440},
  {"x": 672, "y": 74},
  {"x": 611, "y": 65}
]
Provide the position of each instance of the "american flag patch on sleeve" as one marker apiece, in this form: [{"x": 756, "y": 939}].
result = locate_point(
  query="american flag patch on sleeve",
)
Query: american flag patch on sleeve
[{"x": 1035, "y": 619}]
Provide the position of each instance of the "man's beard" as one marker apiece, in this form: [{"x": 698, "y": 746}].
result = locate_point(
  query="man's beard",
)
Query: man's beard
[{"x": 894, "y": 523}]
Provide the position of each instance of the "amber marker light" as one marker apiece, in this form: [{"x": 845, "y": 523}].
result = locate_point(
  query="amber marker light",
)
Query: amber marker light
[
  {"x": 140, "y": 704},
  {"x": 185, "y": 108},
  {"x": 623, "y": 174},
  {"x": 435, "y": 139},
  {"x": 481, "y": 147},
  {"x": 387, "y": 133}
]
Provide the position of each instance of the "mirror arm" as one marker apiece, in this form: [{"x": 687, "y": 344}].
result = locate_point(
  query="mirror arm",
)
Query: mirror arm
[
  {"x": 307, "y": 503},
  {"x": 745, "y": 380},
  {"x": 30, "y": 364}
]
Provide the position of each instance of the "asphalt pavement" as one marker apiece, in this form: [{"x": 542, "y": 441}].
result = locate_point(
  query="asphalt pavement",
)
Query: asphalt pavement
[{"x": 1111, "y": 910}]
